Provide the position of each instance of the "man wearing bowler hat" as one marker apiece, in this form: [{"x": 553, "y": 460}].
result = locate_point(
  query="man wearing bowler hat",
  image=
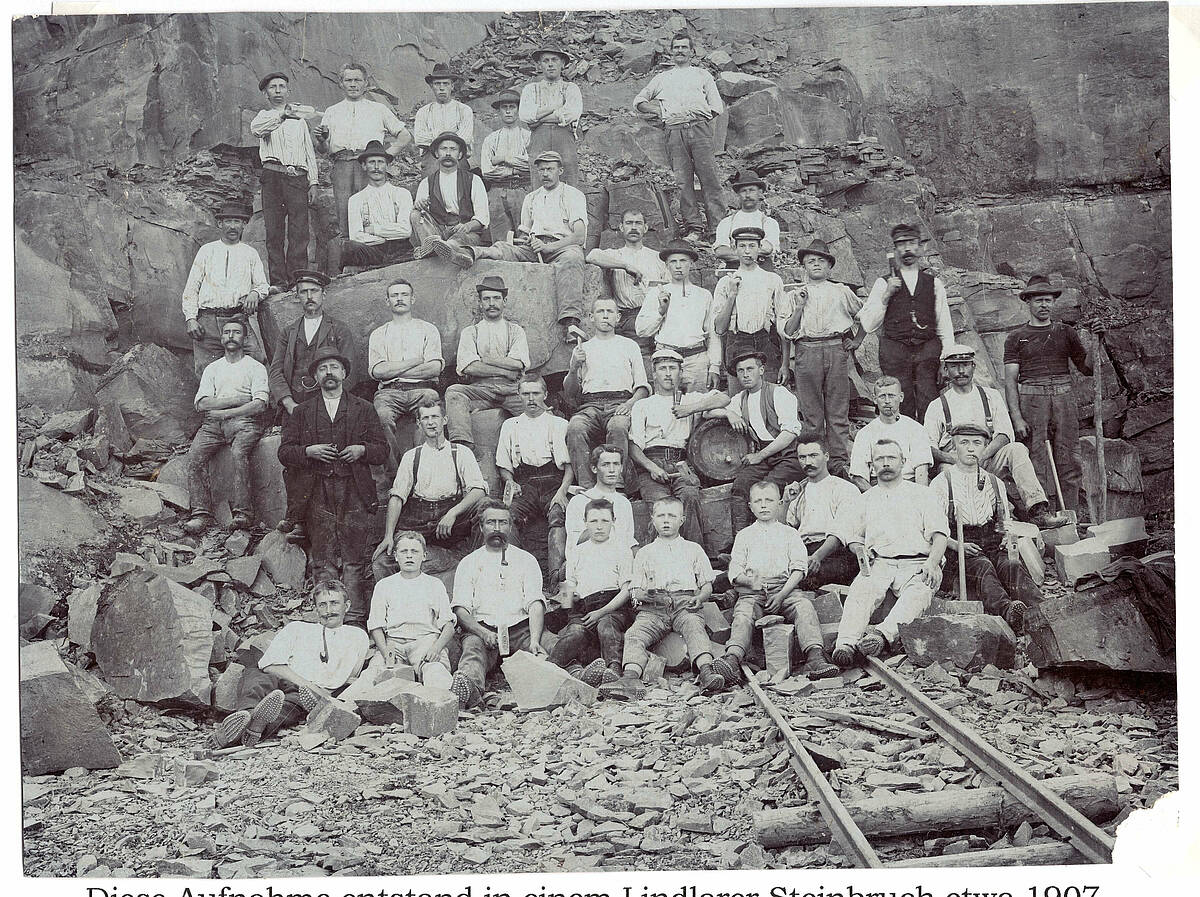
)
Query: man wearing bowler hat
[
  {"x": 226, "y": 283},
  {"x": 289, "y": 179},
  {"x": 380, "y": 218},
  {"x": 444, "y": 115},
  {"x": 504, "y": 164},
  {"x": 451, "y": 209},
  {"x": 551, "y": 107},
  {"x": 750, "y": 189},
  {"x": 328, "y": 445}
]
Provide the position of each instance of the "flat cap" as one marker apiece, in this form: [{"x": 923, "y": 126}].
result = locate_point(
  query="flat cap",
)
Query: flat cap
[
  {"x": 306, "y": 276},
  {"x": 958, "y": 352},
  {"x": 271, "y": 76},
  {"x": 548, "y": 156},
  {"x": 665, "y": 355},
  {"x": 748, "y": 233},
  {"x": 970, "y": 429}
]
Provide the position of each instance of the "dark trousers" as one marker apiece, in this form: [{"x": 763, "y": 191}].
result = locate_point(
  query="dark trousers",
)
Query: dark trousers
[
  {"x": 781, "y": 468},
  {"x": 683, "y": 485},
  {"x": 840, "y": 567},
  {"x": 347, "y": 178},
  {"x": 533, "y": 504},
  {"x": 916, "y": 367},
  {"x": 1052, "y": 416},
  {"x": 504, "y": 204},
  {"x": 241, "y": 434},
  {"x": 992, "y": 577},
  {"x": 341, "y": 530},
  {"x": 486, "y": 392},
  {"x": 690, "y": 153},
  {"x": 285, "y": 215},
  {"x": 579, "y": 644},
  {"x": 559, "y": 139},
  {"x": 343, "y": 252},
  {"x": 422, "y": 516},
  {"x": 478, "y": 659},
  {"x": 765, "y": 341},
  {"x": 823, "y": 388},
  {"x": 256, "y": 685}
]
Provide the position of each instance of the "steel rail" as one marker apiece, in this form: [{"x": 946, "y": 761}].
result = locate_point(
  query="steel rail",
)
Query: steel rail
[
  {"x": 1088, "y": 838},
  {"x": 837, "y": 817}
]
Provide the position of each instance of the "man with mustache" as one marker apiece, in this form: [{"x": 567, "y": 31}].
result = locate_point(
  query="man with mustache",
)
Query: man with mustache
[
  {"x": 331, "y": 441},
  {"x": 226, "y": 283},
  {"x": 633, "y": 270},
  {"x": 498, "y": 601},
  {"x": 289, "y": 378},
  {"x": 891, "y": 424},
  {"x": 451, "y": 211},
  {"x": 911, "y": 308},
  {"x": 379, "y": 218},
  {"x": 818, "y": 511}
]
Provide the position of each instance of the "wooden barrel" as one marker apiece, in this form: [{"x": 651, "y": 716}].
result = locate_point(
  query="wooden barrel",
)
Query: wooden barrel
[{"x": 716, "y": 450}]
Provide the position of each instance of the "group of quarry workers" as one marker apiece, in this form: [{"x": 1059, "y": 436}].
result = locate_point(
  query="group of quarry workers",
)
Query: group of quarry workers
[{"x": 891, "y": 512}]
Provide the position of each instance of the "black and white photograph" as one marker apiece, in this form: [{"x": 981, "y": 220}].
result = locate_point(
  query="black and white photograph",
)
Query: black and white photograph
[{"x": 465, "y": 442}]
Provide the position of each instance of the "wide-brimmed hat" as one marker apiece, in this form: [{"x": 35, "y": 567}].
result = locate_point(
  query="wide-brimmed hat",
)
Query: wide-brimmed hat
[
  {"x": 817, "y": 247},
  {"x": 747, "y": 179},
  {"x": 324, "y": 354},
  {"x": 234, "y": 209},
  {"x": 493, "y": 283},
  {"x": 678, "y": 249},
  {"x": 508, "y": 95},
  {"x": 271, "y": 76},
  {"x": 739, "y": 357},
  {"x": 748, "y": 233},
  {"x": 374, "y": 148},
  {"x": 970, "y": 429},
  {"x": 304, "y": 275},
  {"x": 441, "y": 71},
  {"x": 958, "y": 352},
  {"x": 449, "y": 135},
  {"x": 1039, "y": 285},
  {"x": 552, "y": 48}
]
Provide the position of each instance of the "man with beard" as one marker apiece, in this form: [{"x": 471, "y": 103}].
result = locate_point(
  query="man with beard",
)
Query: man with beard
[
  {"x": 233, "y": 394},
  {"x": 898, "y": 532},
  {"x": 379, "y": 218},
  {"x": 451, "y": 212},
  {"x": 290, "y": 381},
  {"x": 226, "y": 283},
  {"x": 968, "y": 402},
  {"x": 633, "y": 270},
  {"x": 818, "y": 512},
  {"x": 912, "y": 310},
  {"x": 330, "y": 442},
  {"x": 498, "y": 601}
]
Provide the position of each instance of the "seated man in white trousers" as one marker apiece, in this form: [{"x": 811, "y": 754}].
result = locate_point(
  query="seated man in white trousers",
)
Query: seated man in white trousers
[{"x": 897, "y": 530}]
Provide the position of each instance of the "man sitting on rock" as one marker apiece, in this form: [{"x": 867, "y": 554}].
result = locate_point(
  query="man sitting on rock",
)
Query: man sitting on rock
[
  {"x": 451, "y": 210},
  {"x": 891, "y": 424},
  {"x": 751, "y": 308},
  {"x": 226, "y": 282},
  {"x": 445, "y": 115},
  {"x": 233, "y": 394},
  {"x": 817, "y": 512},
  {"x": 750, "y": 213},
  {"x": 553, "y": 229},
  {"x": 679, "y": 316},
  {"x": 378, "y": 217},
  {"x": 305, "y": 664},
  {"x": 499, "y": 603},
  {"x": 977, "y": 498},
  {"x": 291, "y": 382},
  {"x": 898, "y": 532},
  {"x": 966, "y": 402},
  {"x": 633, "y": 270},
  {"x": 504, "y": 164},
  {"x": 767, "y": 565},
  {"x": 607, "y": 465}
]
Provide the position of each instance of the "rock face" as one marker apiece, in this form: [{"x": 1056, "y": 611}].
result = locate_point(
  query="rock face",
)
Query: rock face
[
  {"x": 155, "y": 392},
  {"x": 46, "y": 518}
]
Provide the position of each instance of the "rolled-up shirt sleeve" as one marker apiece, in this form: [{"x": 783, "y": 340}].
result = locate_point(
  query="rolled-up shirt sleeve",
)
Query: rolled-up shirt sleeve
[
  {"x": 260, "y": 387},
  {"x": 479, "y": 199},
  {"x": 467, "y": 354},
  {"x": 934, "y": 516},
  {"x": 464, "y": 585},
  {"x": 873, "y": 311},
  {"x": 788, "y": 410},
  {"x": 531, "y": 584}
]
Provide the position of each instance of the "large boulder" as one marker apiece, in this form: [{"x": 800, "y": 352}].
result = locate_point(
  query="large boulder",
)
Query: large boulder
[
  {"x": 155, "y": 391},
  {"x": 48, "y": 520},
  {"x": 54, "y": 382},
  {"x": 266, "y": 480}
]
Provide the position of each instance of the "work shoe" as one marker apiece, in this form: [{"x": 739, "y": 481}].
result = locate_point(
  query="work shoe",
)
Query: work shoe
[
  {"x": 197, "y": 523},
  {"x": 593, "y": 673},
  {"x": 1042, "y": 517},
  {"x": 729, "y": 669},
  {"x": 424, "y": 249},
  {"x": 844, "y": 656},
  {"x": 242, "y": 520},
  {"x": 816, "y": 664},
  {"x": 264, "y": 714},
  {"x": 230, "y": 730},
  {"x": 872, "y": 644},
  {"x": 624, "y": 688},
  {"x": 1014, "y": 615},
  {"x": 610, "y": 675},
  {"x": 308, "y": 698},
  {"x": 711, "y": 681},
  {"x": 465, "y": 690},
  {"x": 576, "y": 670}
]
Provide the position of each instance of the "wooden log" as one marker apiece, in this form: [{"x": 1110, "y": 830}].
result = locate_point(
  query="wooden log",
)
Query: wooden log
[
  {"x": 875, "y": 723},
  {"x": 1058, "y": 854},
  {"x": 1093, "y": 794}
]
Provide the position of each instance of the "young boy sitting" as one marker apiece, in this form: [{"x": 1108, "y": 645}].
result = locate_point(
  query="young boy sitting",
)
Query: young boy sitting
[
  {"x": 410, "y": 619},
  {"x": 767, "y": 564},
  {"x": 305, "y": 664},
  {"x": 596, "y": 596},
  {"x": 671, "y": 579}
]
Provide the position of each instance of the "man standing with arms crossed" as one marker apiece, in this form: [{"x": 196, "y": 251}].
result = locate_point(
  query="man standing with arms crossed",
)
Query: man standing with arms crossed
[{"x": 634, "y": 269}]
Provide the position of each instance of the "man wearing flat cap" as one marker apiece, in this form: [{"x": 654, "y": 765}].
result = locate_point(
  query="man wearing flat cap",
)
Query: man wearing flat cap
[
  {"x": 289, "y": 179},
  {"x": 551, "y": 107},
  {"x": 380, "y": 218},
  {"x": 451, "y": 210},
  {"x": 504, "y": 164},
  {"x": 910, "y": 311},
  {"x": 444, "y": 115},
  {"x": 750, "y": 213},
  {"x": 328, "y": 445}
]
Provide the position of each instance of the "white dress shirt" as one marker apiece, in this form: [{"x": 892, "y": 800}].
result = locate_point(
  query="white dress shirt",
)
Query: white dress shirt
[
  {"x": 653, "y": 421},
  {"x": 829, "y": 309},
  {"x": 787, "y": 409},
  {"x": 819, "y": 510},
  {"x": 285, "y": 140},
  {"x": 552, "y": 213},
  {"x": 245, "y": 379},
  {"x": 539, "y": 93},
  {"x": 967, "y": 408},
  {"x": 402, "y": 341},
  {"x": 774, "y": 550},
  {"x": 353, "y": 124},
  {"x": 622, "y": 532},
  {"x": 410, "y": 608},
  {"x": 532, "y": 441},
  {"x": 644, "y": 259},
  {"x": 437, "y": 479},
  {"x": 911, "y": 436},
  {"x": 449, "y": 184},
  {"x": 507, "y": 143},
  {"x": 612, "y": 365},
  {"x": 759, "y": 302},
  {"x": 435, "y": 118},
  {"x": 674, "y": 565},
  {"x": 975, "y": 498},
  {"x": 688, "y": 93},
  {"x": 688, "y": 322},
  {"x": 222, "y": 273},
  {"x": 599, "y": 566},
  {"x": 299, "y": 646},
  {"x": 896, "y": 522},
  {"x": 498, "y": 588},
  {"x": 386, "y": 209},
  {"x": 503, "y": 339}
]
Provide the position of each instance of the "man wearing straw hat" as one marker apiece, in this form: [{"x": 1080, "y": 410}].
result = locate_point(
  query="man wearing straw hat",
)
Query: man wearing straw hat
[
  {"x": 504, "y": 164},
  {"x": 551, "y": 107},
  {"x": 444, "y": 115}
]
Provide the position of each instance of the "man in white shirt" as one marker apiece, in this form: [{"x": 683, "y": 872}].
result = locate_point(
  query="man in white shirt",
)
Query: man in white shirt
[
  {"x": 659, "y": 430},
  {"x": 226, "y": 283},
  {"x": 444, "y": 115},
  {"x": 751, "y": 308},
  {"x": 608, "y": 375},
  {"x": 898, "y": 532},
  {"x": 345, "y": 130},
  {"x": 684, "y": 100},
  {"x": 233, "y": 393},
  {"x": 679, "y": 316},
  {"x": 379, "y": 219},
  {"x": 499, "y": 603},
  {"x": 608, "y": 468},
  {"x": 492, "y": 355},
  {"x": 633, "y": 270},
  {"x": 288, "y": 179},
  {"x": 551, "y": 107},
  {"x": 817, "y": 510},
  {"x": 305, "y": 665},
  {"x": 504, "y": 164},
  {"x": 767, "y": 414},
  {"x": 912, "y": 315},
  {"x": 553, "y": 230},
  {"x": 750, "y": 213},
  {"x": 965, "y": 401},
  {"x": 532, "y": 458},
  {"x": 451, "y": 210},
  {"x": 891, "y": 424},
  {"x": 404, "y": 356}
]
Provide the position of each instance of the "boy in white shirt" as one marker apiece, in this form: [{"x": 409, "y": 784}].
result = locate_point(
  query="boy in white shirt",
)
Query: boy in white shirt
[
  {"x": 679, "y": 315},
  {"x": 444, "y": 114},
  {"x": 751, "y": 308},
  {"x": 504, "y": 164},
  {"x": 607, "y": 465}
]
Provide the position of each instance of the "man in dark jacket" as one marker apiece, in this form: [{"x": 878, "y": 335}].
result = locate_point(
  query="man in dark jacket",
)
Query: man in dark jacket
[
  {"x": 331, "y": 441},
  {"x": 289, "y": 378}
]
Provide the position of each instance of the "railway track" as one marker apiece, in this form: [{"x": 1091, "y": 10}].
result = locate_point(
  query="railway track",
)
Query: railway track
[{"x": 1086, "y": 839}]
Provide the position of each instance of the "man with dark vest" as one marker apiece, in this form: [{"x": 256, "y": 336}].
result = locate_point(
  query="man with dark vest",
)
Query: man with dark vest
[
  {"x": 768, "y": 414},
  {"x": 912, "y": 310},
  {"x": 330, "y": 443},
  {"x": 289, "y": 378},
  {"x": 451, "y": 210}
]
